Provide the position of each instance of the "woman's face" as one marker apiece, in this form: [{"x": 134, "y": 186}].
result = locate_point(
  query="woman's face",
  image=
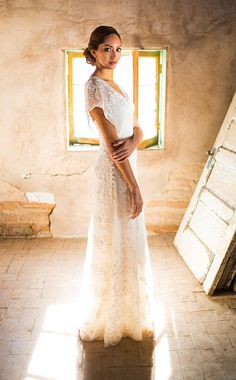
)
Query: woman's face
[{"x": 108, "y": 53}]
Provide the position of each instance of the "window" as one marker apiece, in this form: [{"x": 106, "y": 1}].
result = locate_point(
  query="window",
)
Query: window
[{"x": 142, "y": 73}]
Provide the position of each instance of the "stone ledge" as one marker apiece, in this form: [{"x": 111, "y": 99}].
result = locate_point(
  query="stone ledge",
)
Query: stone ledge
[{"x": 25, "y": 219}]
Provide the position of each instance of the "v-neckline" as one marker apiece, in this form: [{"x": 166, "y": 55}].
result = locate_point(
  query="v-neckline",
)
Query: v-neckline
[{"x": 124, "y": 94}]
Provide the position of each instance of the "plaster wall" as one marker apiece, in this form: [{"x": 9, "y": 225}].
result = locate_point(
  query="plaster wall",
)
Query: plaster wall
[{"x": 200, "y": 36}]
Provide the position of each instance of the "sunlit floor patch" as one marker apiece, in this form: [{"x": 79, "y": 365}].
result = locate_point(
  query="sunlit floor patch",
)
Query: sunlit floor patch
[{"x": 57, "y": 354}]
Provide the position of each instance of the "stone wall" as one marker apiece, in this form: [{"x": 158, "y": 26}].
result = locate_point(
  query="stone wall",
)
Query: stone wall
[{"x": 200, "y": 36}]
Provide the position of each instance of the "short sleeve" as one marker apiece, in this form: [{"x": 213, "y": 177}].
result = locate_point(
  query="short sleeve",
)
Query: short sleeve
[{"x": 93, "y": 95}]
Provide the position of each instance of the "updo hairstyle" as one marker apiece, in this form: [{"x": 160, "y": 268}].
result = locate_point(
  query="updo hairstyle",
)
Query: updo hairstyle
[{"x": 97, "y": 37}]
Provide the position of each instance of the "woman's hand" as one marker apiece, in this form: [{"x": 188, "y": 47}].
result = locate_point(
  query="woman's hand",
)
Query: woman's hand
[
  {"x": 137, "y": 202},
  {"x": 123, "y": 148}
]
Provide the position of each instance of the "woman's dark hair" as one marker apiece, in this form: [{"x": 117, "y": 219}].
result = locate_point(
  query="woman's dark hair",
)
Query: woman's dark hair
[{"x": 97, "y": 37}]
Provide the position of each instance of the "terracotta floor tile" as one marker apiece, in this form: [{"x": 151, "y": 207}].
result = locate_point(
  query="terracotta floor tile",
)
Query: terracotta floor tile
[{"x": 39, "y": 285}]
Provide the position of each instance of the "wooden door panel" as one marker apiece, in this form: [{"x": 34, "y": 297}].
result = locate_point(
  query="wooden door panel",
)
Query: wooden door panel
[
  {"x": 226, "y": 158},
  {"x": 209, "y": 223},
  {"x": 220, "y": 260},
  {"x": 217, "y": 205},
  {"x": 230, "y": 139},
  {"x": 207, "y": 226},
  {"x": 196, "y": 255},
  {"x": 222, "y": 179}
]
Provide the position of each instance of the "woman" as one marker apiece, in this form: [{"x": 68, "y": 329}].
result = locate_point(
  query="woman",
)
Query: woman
[{"x": 116, "y": 291}]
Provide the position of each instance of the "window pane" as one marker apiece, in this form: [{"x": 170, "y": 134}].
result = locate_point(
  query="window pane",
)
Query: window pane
[
  {"x": 147, "y": 122},
  {"x": 79, "y": 98},
  {"x": 81, "y": 128},
  {"x": 123, "y": 73},
  {"x": 81, "y": 70},
  {"x": 147, "y": 70},
  {"x": 147, "y": 96}
]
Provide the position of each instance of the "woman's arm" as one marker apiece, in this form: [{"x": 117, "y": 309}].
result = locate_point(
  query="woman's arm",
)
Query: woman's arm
[
  {"x": 125, "y": 147},
  {"x": 138, "y": 133},
  {"x": 110, "y": 136}
]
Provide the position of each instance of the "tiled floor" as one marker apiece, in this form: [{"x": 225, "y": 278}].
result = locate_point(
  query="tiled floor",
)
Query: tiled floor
[{"x": 40, "y": 281}]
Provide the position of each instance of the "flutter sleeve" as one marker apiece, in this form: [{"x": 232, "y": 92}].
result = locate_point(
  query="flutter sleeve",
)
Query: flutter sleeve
[{"x": 93, "y": 95}]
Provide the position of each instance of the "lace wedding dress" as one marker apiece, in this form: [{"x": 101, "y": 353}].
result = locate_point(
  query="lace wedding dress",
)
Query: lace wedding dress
[{"x": 116, "y": 296}]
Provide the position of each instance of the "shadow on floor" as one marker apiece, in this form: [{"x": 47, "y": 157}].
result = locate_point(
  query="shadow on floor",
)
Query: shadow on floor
[{"x": 128, "y": 359}]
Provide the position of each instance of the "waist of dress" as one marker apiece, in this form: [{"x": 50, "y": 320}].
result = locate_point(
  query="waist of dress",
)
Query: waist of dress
[{"x": 104, "y": 154}]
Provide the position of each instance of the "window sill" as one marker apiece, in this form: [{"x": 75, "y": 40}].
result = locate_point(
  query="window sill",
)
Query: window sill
[
  {"x": 154, "y": 147},
  {"x": 90, "y": 148}
]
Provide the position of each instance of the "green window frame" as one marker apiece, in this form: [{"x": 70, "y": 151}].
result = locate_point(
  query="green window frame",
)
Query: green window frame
[{"x": 158, "y": 59}]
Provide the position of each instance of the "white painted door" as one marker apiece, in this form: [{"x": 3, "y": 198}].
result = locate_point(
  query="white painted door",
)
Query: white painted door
[{"x": 209, "y": 223}]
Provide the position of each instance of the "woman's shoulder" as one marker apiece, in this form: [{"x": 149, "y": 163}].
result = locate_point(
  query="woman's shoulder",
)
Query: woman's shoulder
[
  {"x": 92, "y": 79},
  {"x": 93, "y": 90},
  {"x": 92, "y": 83},
  {"x": 93, "y": 87}
]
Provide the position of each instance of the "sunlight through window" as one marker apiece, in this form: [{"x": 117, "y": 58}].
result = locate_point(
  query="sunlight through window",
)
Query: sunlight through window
[{"x": 141, "y": 73}]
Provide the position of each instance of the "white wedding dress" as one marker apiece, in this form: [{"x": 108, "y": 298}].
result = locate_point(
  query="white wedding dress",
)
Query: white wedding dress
[{"x": 116, "y": 296}]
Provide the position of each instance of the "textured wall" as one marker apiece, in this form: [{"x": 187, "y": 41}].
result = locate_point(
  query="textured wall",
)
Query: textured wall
[{"x": 200, "y": 36}]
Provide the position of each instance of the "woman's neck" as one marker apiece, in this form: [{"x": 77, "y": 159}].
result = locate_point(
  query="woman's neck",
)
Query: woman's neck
[{"x": 103, "y": 74}]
